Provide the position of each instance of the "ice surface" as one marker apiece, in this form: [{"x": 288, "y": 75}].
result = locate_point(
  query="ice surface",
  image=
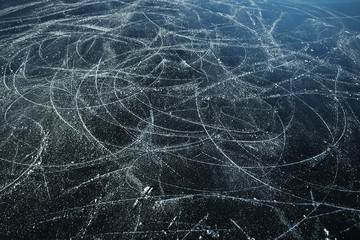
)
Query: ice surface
[{"x": 179, "y": 120}]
